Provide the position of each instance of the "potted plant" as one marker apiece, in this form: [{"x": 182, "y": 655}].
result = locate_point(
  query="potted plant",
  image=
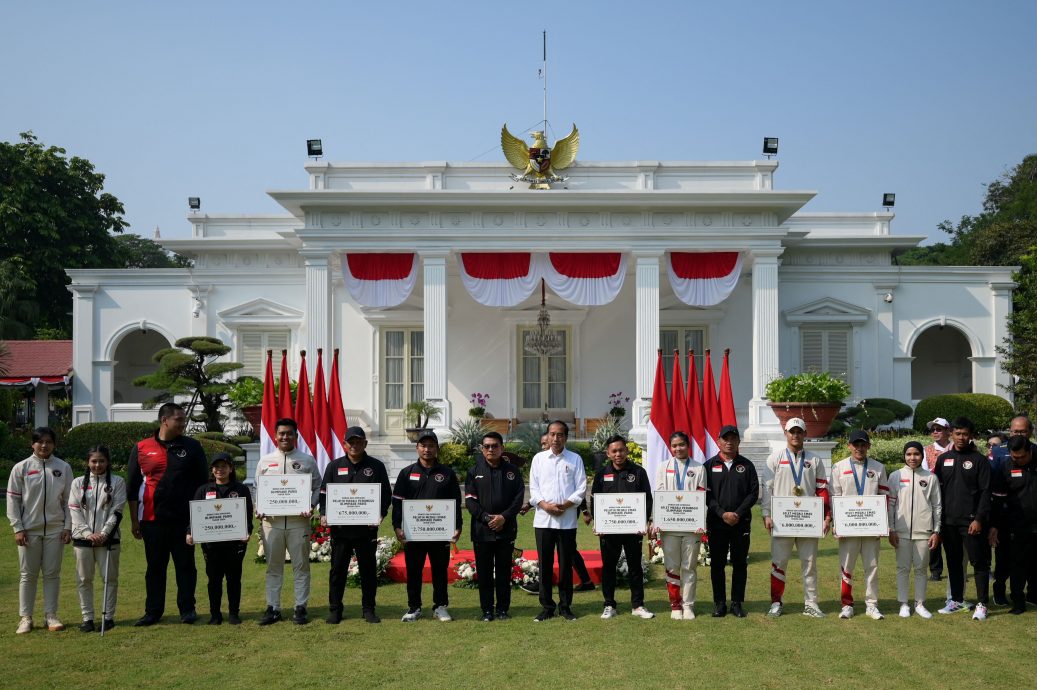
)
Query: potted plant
[
  {"x": 417, "y": 415},
  {"x": 478, "y": 408},
  {"x": 246, "y": 396},
  {"x": 617, "y": 405},
  {"x": 604, "y": 431},
  {"x": 814, "y": 397}
]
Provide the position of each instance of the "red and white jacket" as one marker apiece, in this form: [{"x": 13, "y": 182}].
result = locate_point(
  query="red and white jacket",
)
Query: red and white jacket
[{"x": 779, "y": 480}]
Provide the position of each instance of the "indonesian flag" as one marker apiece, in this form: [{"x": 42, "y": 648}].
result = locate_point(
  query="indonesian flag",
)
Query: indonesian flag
[
  {"x": 677, "y": 402},
  {"x": 501, "y": 279},
  {"x": 703, "y": 279},
  {"x": 660, "y": 424},
  {"x": 697, "y": 418},
  {"x": 284, "y": 390},
  {"x": 710, "y": 408},
  {"x": 727, "y": 399},
  {"x": 321, "y": 418},
  {"x": 267, "y": 428},
  {"x": 585, "y": 279},
  {"x": 337, "y": 413},
  {"x": 380, "y": 280},
  {"x": 307, "y": 441}
]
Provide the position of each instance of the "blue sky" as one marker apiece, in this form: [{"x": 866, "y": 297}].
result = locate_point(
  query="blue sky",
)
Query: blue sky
[{"x": 930, "y": 100}]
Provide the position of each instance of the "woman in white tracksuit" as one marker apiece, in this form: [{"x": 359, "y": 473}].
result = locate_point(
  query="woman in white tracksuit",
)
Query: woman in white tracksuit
[
  {"x": 97, "y": 502},
  {"x": 914, "y": 496}
]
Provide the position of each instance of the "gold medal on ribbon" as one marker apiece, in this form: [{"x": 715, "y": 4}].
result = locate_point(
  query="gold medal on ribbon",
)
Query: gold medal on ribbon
[{"x": 798, "y": 491}]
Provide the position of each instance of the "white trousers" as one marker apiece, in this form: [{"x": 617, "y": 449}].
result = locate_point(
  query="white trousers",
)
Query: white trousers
[
  {"x": 681, "y": 560},
  {"x": 296, "y": 541},
  {"x": 781, "y": 554},
  {"x": 868, "y": 550},
  {"x": 42, "y": 554},
  {"x": 88, "y": 560},
  {"x": 912, "y": 553}
]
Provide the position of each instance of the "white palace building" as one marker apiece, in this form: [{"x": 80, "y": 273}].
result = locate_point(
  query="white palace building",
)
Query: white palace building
[{"x": 681, "y": 255}]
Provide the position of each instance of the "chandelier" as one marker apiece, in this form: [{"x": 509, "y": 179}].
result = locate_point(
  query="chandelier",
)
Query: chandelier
[{"x": 543, "y": 341}]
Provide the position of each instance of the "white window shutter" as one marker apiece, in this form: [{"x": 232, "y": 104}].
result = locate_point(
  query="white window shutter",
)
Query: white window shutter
[
  {"x": 811, "y": 350},
  {"x": 838, "y": 364}
]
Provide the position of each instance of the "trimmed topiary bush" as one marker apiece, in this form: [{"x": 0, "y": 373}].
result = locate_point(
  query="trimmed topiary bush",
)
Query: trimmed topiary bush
[
  {"x": 456, "y": 456},
  {"x": 989, "y": 412},
  {"x": 212, "y": 447},
  {"x": 901, "y": 411},
  {"x": 120, "y": 437}
]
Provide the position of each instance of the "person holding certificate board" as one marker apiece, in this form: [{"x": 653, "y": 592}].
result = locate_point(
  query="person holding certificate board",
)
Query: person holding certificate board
[
  {"x": 914, "y": 495},
  {"x": 287, "y": 489},
  {"x": 679, "y": 515},
  {"x": 797, "y": 512},
  {"x": 621, "y": 501},
  {"x": 221, "y": 521},
  {"x": 426, "y": 514},
  {"x": 860, "y": 493},
  {"x": 354, "y": 498}
]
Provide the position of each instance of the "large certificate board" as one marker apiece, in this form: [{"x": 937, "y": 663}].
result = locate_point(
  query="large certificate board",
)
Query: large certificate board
[
  {"x": 679, "y": 511},
  {"x": 283, "y": 494},
  {"x": 353, "y": 504},
  {"x": 220, "y": 519},
  {"x": 860, "y": 516},
  {"x": 797, "y": 516},
  {"x": 619, "y": 513},
  {"x": 429, "y": 519}
]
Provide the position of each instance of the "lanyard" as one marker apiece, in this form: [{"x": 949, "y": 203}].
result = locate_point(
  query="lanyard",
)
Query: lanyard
[
  {"x": 864, "y": 473},
  {"x": 796, "y": 477},
  {"x": 678, "y": 476}
]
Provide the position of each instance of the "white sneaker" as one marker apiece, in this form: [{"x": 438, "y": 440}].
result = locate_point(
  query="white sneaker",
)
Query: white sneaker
[
  {"x": 812, "y": 611},
  {"x": 609, "y": 612},
  {"x": 775, "y": 610},
  {"x": 642, "y": 612},
  {"x": 54, "y": 625},
  {"x": 921, "y": 611},
  {"x": 676, "y": 615},
  {"x": 689, "y": 612},
  {"x": 24, "y": 625},
  {"x": 873, "y": 612},
  {"x": 411, "y": 615},
  {"x": 905, "y": 611},
  {"x": 980, "y": 613},
  {"x": 846, "y": 612},
  {"x": 953, "y": 607},
  {"x": 441, "y": 614}
]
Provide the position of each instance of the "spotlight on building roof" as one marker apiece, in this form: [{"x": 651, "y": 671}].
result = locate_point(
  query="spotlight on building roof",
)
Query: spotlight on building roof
[
  {"x": 770, "y": 146},
  {"x": 314, "y": 149},
  {"x": 194, "y": 203},
  {"x": 889, "y": 200}
]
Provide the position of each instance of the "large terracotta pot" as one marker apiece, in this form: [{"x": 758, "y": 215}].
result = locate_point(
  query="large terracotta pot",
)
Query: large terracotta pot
[
  {"x": 254, "y": 415},
  {"x": 818, "y": 416},
  {"x": 501, "y": 426}
]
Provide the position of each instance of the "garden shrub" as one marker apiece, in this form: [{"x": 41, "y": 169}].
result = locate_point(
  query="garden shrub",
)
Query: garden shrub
[
  {"x": 120, "y": 437},
  {"x": 988, "y": 412}
]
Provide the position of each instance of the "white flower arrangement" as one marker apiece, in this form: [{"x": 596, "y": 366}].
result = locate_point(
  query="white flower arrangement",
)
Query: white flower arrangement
[
  {"x": 523, "y": 572},
  {"x": 623, "y": 569},
  {"x": 657, "y": 551}
]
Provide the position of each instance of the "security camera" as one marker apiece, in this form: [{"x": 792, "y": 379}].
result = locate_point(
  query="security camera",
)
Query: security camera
[
  {"x": 196, "y": 312},
  {"x": 888, "y": 298}
]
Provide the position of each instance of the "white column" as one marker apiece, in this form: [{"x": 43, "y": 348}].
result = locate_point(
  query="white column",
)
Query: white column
[
  {"x": 83, "y": 354},
  {"x": 318, "y": 301},
  {"x": 1000, "y": 309},
  {"x": 762, "y": 422},
  {"x": 881, "y": 385},
  {"x": 646, "y": 330},
  {"x": 104, "y": 384},
  {"x": 42, "y": 405},
  {"x": 435, "y": 306}
]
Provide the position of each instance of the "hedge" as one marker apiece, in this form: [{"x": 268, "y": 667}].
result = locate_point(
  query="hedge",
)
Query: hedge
[
  {"x": 120, "y": 437},
  {"x": 889, "y": 450},
  {"x": 988, "y": 412}
]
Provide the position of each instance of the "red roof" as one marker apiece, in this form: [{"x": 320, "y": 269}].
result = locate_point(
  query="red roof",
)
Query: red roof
[{"x": 31, "y": 358}]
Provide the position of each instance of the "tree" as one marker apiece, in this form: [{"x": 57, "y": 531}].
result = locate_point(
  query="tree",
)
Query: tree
[
  {"x": 53, "y": 209},
  {"x": 134, "y": 251},
  {"x": 17, "y": 308},
  {"x": 191, "y": 368}
]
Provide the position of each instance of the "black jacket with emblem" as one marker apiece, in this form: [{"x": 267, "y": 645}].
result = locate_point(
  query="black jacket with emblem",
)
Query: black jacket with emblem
[
  {"x": 492, "y": 491},
  {"x": 344, "y": 471},
  {"x": 418, "y": 482},
  {"x": 965, "y": 484},
  {"x": 1015, "y": 506},
  {"x": 734, "y": 490},
  {"x": 632, "y": 479}
]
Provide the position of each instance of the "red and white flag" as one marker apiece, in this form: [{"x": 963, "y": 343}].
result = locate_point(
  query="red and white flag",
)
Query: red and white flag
[
  {"x": 321, "y": 418},
  {"x": 499, "y": 279},
  {"x": 677, "y": 402},
  {"x": 710, "y": 408},
  {"x": 267, "y": 428},
  {"x": 727, "y": 399},
  {"x": 380, "y": 280},
  {"x": 307, "y": 441},
  {"x": 284, "y": 390},
  {"x": 660, "y": 424},
  {"x": 337, "y": 412},
  {"x": 585, "y": 279},
  {"x": 698, "y": 420},
  {"x": 704, "y": 279}
]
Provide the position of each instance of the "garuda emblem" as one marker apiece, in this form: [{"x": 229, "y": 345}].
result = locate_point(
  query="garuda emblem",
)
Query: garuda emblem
[{"x": 539, "y": 163}]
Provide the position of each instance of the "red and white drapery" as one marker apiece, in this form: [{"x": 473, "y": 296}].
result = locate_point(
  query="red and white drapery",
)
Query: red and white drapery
[
  {"x": 380, "y": 280},
  {"x": 33, "y": 380},
  {"x": 703, "y": 279},
  {"x": 507, "y": 278}
]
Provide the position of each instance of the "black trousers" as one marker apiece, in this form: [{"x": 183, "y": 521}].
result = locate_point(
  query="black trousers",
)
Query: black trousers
[
  {"x": 343, "y": 547},
  {"x": 1002, "y": 565},
  {"x": 612, "y": 545},
  {"x": 580, "y": 567},
  {"x": 936, "y": 561},
  {"x": 1024, "y": 566},
  {"x": 223, "y": 560},
  {"x": 164, "y": 540},
  {"x": 414, "y": 553},
  {"x": 548, "y": 539},
  {"x": 956, "y": 542},
  {"x": 724, "y": 539},
  {"x": 493, "y": 563}
]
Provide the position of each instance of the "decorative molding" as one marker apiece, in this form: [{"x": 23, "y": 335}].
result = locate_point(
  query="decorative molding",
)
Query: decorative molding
[
  {"x": 827, "y": 310},
  {"x": 261, "y": 312},
  {"x": 807, "y": 257}
]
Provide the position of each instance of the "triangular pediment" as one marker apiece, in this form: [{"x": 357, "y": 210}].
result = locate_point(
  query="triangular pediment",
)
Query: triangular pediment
[
  {"x": 260, "y": 310},
  {"x": 828, "y": 310}
]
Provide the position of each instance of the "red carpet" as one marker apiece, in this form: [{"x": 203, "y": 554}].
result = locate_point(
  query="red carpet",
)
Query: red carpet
[{"x": 397, "y": 570}]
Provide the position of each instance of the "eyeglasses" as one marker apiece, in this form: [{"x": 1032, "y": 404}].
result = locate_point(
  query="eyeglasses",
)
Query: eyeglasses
[{"x": 491, "y": 446}]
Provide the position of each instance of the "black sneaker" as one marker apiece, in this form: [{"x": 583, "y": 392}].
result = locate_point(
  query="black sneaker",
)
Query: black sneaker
[
  {"x": 1000, "y": 599},
  {"x": 935, "y": 577},
  {"x": 503, "y": 616},
  {"x": 1018, "y": 610},
  {"x": 584, "y": 587},
  {"x": 487, "y": 617},
  {"x": 720, "y": 610},
  {"x": 736, "y": 609},
  {"x": 531, "y": 588},
  {"x": 299, "y": 616},
  {"x": 371, "y": 617},
  {"x": 567, "y": 614},
  {"x": 543, "y": 616},
  {"x": 233, "y": 618},
  {"x": 334, "y": 617},
  {"x": 108, "y": 624},
  {"x": 189, "y": 617},
  {"x": 215, "y": 619},
  {"x": 145, "y": 620},
  {"x": 271, "y": 616},
  {"x": 87, "y": 626}
]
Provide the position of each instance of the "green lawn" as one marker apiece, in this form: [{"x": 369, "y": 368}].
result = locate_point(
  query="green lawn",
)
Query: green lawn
[{"x": 791, "y": 651}]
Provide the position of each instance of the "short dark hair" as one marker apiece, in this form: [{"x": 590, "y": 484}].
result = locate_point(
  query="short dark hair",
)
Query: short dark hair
[
  {"x": 1023, "y": 415},
  {"x": 168, "y": 410},
  {"x": 565, "y": 427},
  {"x": 286, "y": 421},
  {"x": 1018, "y": 443},
  {"x": 613, "y": 438},
  {"x": 680, "y": 434},
  {"x": 494, "y": 435},
  {"x": 963, "y": 423},
  {"x": 40, "y": 432}
]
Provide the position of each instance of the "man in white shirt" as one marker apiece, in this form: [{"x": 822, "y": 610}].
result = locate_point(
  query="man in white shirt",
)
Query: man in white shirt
[{"x": 557, "y": 484}]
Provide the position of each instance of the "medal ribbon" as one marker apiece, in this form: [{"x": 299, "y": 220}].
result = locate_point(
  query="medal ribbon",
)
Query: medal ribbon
[
  {"x": 796, "y": 477},
  {"x": 679, "y": 475},
  {"x": 864, "y": 473}
]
